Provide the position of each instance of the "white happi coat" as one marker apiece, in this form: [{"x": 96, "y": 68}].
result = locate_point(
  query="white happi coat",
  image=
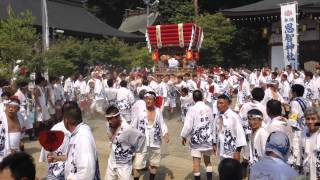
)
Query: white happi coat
[
  {"x": 24, "y": 110},
  {"x": 198, "y": 127},
  {"x": 191, "y": 85},
  {"x": 297, "y": 81},
  {"x": 82, "y": 159},
  {"x": 229, "y": 134},
  {"x": 111, "y": 95},
  {"x": 155, "y": 86},
  {"x": 270, "y": 168},
  {"x": 317, "y": 81},
  {"x": 253, "y": 79},
  {"x": 181, "y": 85},
  {"x": 186, "y": 103},
  {"x": 98, "y": 90},
  {"x": 153, "y": 135},
  {"x": 51, "y": 98},
  {"x": 124, "y": 143},
  {"x": 223, "y": 87},
  {"x": 310, "y": 90},
  {"x": 163, "y": 90},
  {"x": 42, "y": 115},
  {"x": 243, "y": 113},
  {"x": 310, "y": 152},
  {"x": 138, "y": 109},
  {"x": 172, "y": 94},
  {"x": 69, "y": 89},
  {"x": 56, "y": 169},
  {"x": 5, "y": 148},
  {"x": 211, "y": 97},
  {"x": 243, "y": 94},
  {"x": 58, "y": 92},
  {"x": 297, "y": 107},
  {"x": 285, "y": 89},
  {"x": 80, "y": 86},
  {"x": 280, "y": 124},
  {"x": 257, "y": 143},
  {"x": 268, "y": 95},
  {"x": 124, "y": 101},
  {"x": 290, "y": 78}
]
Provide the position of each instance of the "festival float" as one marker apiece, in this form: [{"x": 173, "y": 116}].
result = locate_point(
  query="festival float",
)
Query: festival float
[{"x": 175, "y": 47}]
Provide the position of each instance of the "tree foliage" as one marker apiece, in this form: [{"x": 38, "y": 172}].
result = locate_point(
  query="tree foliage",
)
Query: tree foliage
[
  {"x": 68, "y": 55},
  {"x": 179, "y": 11},
  {"x": 18, "y": 39},
  {"x": 218, "y": 34}
]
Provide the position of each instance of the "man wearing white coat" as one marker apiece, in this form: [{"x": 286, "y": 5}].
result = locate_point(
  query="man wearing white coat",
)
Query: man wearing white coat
[
  {"x": 82, "y": 158},
  {"x": 229, "y": 134},
  {"x": 197, "y": 129},
  {"x": 273, "y": 165},
  {"x": 310, "y": 144},
  {"x": 150, "y": 122},
  {"x": 56, "y": 159},
  {"x": 125, "y": 100},
  {"x": 125, "y": 141},
  {"x": 258, "y": 138}
]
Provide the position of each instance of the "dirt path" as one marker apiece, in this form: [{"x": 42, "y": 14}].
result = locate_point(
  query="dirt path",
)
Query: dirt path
[{"x": 176, "y": 160}]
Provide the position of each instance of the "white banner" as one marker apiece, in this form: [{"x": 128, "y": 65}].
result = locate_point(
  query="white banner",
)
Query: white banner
[{"x": 290, "y": 33}]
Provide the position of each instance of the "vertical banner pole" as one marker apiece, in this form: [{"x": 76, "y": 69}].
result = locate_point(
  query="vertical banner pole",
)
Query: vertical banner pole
[{"x": 45, "y": 32}]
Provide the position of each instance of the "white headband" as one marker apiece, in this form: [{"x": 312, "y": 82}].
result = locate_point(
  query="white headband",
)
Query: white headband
[
  {"x": 255, "y": 116},
  {"x": 148, "y": 94},
  {"x": 13, "y": 103},
  {"x": 113, "y": 115}
]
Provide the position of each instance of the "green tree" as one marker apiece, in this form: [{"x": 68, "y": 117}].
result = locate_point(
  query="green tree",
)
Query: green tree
[
  {"x": 141, "y": 57},
  {"x": 179, "y": 11},
  {"x": 248, "y": 48},
  {"x": 63, "y": 56},
  {"x": 68, "y": 55},
  {"x": 18, "y": 39},
  {"x": 218, "y": 34}
]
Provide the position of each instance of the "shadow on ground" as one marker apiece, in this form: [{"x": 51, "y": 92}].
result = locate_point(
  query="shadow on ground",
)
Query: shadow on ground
[{"x": 203, "y": 175}]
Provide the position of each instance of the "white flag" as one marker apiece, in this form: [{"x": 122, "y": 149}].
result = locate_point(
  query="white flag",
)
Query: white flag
[{"x": 290, "y": 33}]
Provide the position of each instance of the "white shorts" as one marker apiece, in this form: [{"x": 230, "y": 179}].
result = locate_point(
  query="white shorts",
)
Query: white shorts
[
  {"x": 199, "y": 154},
  {"x": 154, "y": 156},
  {"x": 122, "y": 173},
  {"x": 170, "y": 102},
  {"x": 43, "y": 115},
  {"x": 245, "y": 152}
]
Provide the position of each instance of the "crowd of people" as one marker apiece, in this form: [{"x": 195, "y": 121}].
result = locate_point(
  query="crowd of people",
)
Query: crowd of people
[{"x": 271, "y": 131}]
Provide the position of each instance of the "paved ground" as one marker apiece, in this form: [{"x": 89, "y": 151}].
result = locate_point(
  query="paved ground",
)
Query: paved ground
[{"x": 176, "y": 161}]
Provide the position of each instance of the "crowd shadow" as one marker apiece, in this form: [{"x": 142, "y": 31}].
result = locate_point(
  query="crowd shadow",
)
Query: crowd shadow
[
  {"x": 32, "y": 150},
  {"x": 163, "y": 173},
  {"x": 190, "y": 176}
]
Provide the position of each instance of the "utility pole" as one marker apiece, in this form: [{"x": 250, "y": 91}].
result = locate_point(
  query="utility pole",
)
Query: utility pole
[
  {"x": 147, "y": 2},
  {"x": 196, "y": 7}
]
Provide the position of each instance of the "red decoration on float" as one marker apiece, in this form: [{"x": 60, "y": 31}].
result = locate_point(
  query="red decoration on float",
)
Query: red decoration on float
[
  {"x": 189, "y": 55},
  {"x": 155, "y": 56},
  {"x": 171, "y": 35}
]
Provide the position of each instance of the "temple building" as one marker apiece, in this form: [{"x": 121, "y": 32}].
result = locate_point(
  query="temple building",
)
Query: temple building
[
  {"x": 266, "y": 14},
  {"x": 67, "y": 16}
]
